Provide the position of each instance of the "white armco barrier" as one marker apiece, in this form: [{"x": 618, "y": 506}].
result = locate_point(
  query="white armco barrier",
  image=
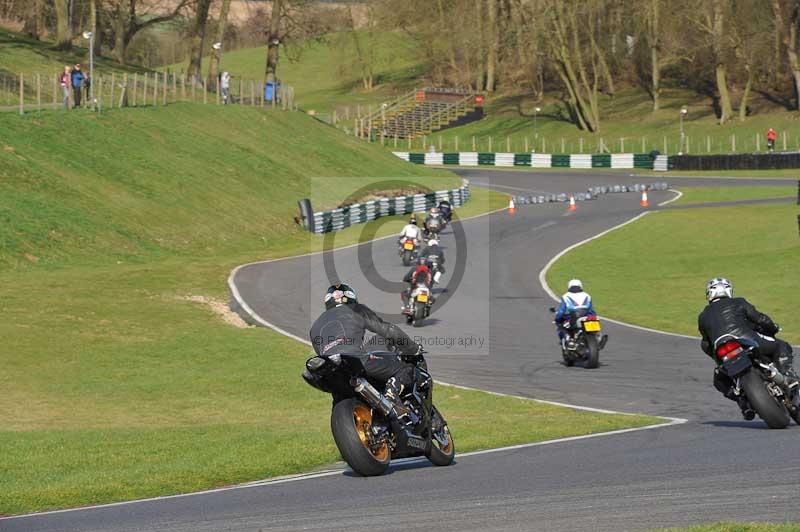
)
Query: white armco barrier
[
  {"x": 468, "y": 158},
  {"x": 580, "y": 160},
  {"x": 504, "y": 159},
  {"x": 402, "y": 154},
  {"x": 661, "y": 164},
  {"x": 621, "y": 160},
  {"x": 541, "y": 160},
  {"x": 434, "y": 158}
]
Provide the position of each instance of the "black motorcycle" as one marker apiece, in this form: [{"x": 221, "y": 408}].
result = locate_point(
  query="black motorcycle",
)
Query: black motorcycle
[
  {"x": 433, "y": 226},
  {"x": 584, "y": 339},
  {"x": 772, "y": 394},
  {"x": 365, "y": 428}
]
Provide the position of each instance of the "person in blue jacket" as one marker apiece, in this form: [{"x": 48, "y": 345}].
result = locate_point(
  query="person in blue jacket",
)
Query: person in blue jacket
[
  {"x": 575, "y": 299},
  {"x": 77, "y": 85}
]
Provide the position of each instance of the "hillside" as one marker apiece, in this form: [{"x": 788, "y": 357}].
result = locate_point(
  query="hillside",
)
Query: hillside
[{"x": 185, "y": 179}]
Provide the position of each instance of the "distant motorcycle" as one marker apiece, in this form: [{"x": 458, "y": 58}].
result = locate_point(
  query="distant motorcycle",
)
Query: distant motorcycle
[
  {"x": 584, "y": 339},
  {"x": 772, "y": 394},
  {"x": 364, "y": 427},
  {"x": 419, "y": 304},
  {"x": 408, "y": 250},
  {"x": 433, "y": 226}
]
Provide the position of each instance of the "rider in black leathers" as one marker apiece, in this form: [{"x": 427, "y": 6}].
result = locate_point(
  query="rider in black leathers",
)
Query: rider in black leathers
[
  {"x": 726, "y": 314},
  {"x": 340, "y": 331},
  {"x": 433, "y": 249}
]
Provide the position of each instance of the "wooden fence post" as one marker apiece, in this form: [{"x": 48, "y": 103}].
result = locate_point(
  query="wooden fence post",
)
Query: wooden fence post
[
  {"x": 113, "y": 82},
  {"x": 21, "y": 94},
  {"x": 473, "y": 143},
  {"x": 55, "y": 91},
  {"x": 580, "y": 145},
  {"x": 166, "y": 86},
  {"x": 39, "y": 92},
  {"x": 135, "y": 86}
]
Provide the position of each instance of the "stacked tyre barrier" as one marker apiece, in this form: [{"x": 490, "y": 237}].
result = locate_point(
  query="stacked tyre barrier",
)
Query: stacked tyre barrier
[
  {"x": 532, "y": 160},
  {"x": 590, "y": 194},
  {"x": 338, "y": 219}
]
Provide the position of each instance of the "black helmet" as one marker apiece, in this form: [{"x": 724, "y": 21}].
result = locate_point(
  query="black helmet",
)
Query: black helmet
[
  {"x": 413, "y": 220},
  {"x": 339, "y": 294}
]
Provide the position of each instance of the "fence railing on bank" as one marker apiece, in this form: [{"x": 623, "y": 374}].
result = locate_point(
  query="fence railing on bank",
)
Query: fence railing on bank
[
  {"x": 30, "y": 92},
  {"x": 729, "y": 143}
]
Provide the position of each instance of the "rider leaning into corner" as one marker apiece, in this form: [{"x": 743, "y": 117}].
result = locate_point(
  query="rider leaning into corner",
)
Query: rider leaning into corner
[
  {"x": 340, "y": 331},
  {"x": 574, "y": 299},
  {"x": 726, "y": 314}
]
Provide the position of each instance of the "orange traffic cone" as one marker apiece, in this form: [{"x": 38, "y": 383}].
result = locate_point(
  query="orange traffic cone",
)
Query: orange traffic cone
[
  {"x": 644, "y": 202},
  {"x": 572, "y": 206},
  {"x": 511, "y": 207}
]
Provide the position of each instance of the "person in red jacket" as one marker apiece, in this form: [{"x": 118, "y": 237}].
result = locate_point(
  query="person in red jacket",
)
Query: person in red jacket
[{"x": 771, "y": 136}]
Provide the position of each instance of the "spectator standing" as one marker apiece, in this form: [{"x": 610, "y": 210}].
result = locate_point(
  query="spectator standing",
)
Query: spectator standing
[
  {"x": 77, "y": 84},
  {"x": 225, "y": 85},
  {"x": 771, "y": 136},
  {"x": 66, "y": 80}
]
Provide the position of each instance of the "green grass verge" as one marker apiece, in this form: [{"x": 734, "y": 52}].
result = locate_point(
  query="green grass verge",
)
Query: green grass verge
[
  {"x": 322, "y": 77},
  {"x": 739, "y": 527},
  {"x": 653, "y": 272},
  {"x": 120, "y": 377},
  {"x": 694, "y": 195}
]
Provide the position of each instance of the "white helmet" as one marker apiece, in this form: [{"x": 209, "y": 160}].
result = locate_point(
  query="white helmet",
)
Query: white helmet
[
  {"x": 574, "y": 283},
  {"x": 718, "y": 287},
  {"x": 433, "y": 242}
]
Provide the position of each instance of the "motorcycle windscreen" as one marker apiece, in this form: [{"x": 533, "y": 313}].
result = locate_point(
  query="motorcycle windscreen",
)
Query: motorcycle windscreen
[{"x": 733, "y": 367}]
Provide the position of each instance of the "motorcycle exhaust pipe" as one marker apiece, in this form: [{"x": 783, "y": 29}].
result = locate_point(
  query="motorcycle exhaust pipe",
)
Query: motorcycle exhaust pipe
[
  {"x": 373, "y": 396},
  {"x": 776, "y": 376}
]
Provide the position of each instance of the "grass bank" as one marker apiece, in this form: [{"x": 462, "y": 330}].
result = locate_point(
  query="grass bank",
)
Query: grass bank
[
  {"x": 123, "y": 374},
  {"x": 739, "y": 527},
  {"x": 695, "y": 195},
  {"x": 668, "y": 256}
]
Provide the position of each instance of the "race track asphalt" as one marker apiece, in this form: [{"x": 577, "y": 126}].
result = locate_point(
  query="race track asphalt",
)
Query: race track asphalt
[{"x": 492, "y": 330}]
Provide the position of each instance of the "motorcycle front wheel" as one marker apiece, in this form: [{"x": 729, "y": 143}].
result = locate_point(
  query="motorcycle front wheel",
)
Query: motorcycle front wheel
[
  {"x": 440, "y": 453},
  {"x": 768, "y": 408},
  {"x": 351, "y": 421}
]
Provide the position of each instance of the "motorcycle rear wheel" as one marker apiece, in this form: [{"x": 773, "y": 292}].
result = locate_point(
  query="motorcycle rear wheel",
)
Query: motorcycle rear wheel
[
  {"x": 592, "y": 352},
  {"x": 419, "y": 315},
  {"x": 438, "y": 455},
  {"x": 766, "y": 406},
  {"x": 407, "y": 258},
  {"x": 351, "y": 421}
]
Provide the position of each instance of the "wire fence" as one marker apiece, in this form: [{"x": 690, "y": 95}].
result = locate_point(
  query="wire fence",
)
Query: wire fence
[{"x": 25, "y": 93}]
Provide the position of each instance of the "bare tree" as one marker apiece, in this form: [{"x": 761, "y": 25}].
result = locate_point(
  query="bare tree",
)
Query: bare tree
[
  {"x": 63, "y": 28},
  {"x": 34, "y": 19},
  {"x": 197, "y": 39},
  {"x": 128, "y": 20},
  {"x": 274, "y": 40},
  {"x": 224, "y": 9},
  {"x": 787, "y": 19}
]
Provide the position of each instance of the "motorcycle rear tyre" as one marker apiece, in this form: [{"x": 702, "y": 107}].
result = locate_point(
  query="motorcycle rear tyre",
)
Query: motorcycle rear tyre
[
  {"x": 346, "y": 435},
  {"x": 592, "y": 352},
  {"x": 766, "y": 406},
  {"x": 419, "y": 315},
  {"x": 407, "y": 257}
]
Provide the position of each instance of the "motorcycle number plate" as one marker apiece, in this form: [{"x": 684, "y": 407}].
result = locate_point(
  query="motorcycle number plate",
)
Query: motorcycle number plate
[
  {"x": 423, "y": 298},
  {"x": 591, "y": 326},
  {"x": 408, "y": 245}
]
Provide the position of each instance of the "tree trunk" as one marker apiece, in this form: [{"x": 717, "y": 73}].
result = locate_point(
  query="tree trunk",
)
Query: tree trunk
[
  {"x": 197, "y": 40},
  {"x": 480, "y": 47},
  {"x": 717, "y": 43},
  {"x": 655, "y": 65},
  {"x": 491, "y": 60},
  {"x": 746, "y": 94},
  {"x": 726, "y": 109},
  {"x": 33, "y": 19},
  {"x": 63, "y": 30},
  {"x": 791, "y": 51},
  {"x": 216, "y": 55},
  {"x": 273, "y": 40}
]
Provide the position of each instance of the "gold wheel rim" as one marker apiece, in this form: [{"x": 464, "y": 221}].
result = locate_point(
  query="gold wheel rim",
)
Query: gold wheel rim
[
  {"x": 362, "y": 417},
  {"x": 447, "y": 449}
]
